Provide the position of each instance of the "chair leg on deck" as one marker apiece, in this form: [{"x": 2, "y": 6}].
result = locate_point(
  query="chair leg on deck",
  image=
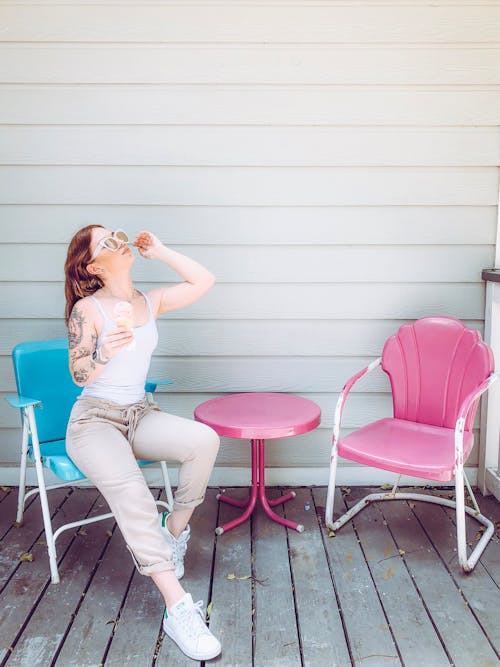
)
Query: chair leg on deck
[
  {"x": 330, "y": 496},
  {"x": 468, "y": 564},
  {"x": 47, "y": 523},
  {"x": 21, "y": 499}
]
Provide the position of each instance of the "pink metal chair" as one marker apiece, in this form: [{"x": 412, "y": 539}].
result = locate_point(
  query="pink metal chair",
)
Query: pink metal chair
[{"x": 438, "y": 369}]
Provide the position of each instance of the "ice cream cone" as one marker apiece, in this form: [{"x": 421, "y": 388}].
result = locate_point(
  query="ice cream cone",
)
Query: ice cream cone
[{"x": 123, "y": 317}]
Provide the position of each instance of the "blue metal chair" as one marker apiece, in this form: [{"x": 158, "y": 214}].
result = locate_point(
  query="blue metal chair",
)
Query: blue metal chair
[{"x": 43, "y": 381}]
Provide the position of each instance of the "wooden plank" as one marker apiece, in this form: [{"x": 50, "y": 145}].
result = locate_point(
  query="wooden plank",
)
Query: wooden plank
[
  {"x": 193, "y": 338},
  {"x": 100, "y": 611},
  {"x": 17, "y": 541},
  {"x": 459, "y": 631},
  {"x": 276, "y": 634},
  {"x": 9, "y": 509},
  {"x": 232, "y": 612},
  {"x": 365, "y": 625},
  {"x": 491, "y": 556},
  {"x": 257, "y": 225},
  {"x": 196, "y": 338},
  {"x": 252, "y": 23},
  {"x": 406, "y": 614},
  {"x": 136, "y": 634},
  {"x": 327, "y": 374},
  {"x": 319, "y": 619},
  {"x": 482, "y": 597},
  {"x": 198, "y": 572},
  {"x": 244, "y": 186},
  {"x": 136, "y": 626},
  {"x": 249, "y": 146},
  {"x": 31, "y": 579},
  {"x": 273, "y": 264},
  {"x": 307, "y": 376},
  {"x": 249, "y": 64},
  {"x": 490, "y": 507},
  {"x": 251, "y": 104},
  {"x": 254, "y": 302},
  {"x": 40, "y": 639}
]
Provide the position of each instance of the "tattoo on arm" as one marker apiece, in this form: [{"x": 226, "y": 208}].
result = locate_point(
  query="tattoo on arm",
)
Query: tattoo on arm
[
  {"x": 75, "y": 328},
  {"x": 79, "y": 353},
  {"x": 82, "y": 363},
  {"x": 81, "y": 375}
]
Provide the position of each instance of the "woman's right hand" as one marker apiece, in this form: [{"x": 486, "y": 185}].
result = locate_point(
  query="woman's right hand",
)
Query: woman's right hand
[{"x": 114, "y": 341}]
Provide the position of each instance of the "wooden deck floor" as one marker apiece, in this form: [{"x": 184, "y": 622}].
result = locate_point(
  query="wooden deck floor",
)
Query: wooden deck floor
[{"x": 385, "y": 591}]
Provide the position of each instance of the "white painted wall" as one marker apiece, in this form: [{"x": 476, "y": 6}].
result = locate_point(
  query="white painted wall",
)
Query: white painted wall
[{"x": 335, "y": 165}]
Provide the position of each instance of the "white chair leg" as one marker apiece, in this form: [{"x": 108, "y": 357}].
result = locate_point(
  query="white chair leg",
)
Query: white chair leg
[
  {"x": 330, "y": 497},
  {"x": 21, "y": 498},
  {"x": 168, "y": 488},
  {"x": 360, "y": 505},
  {"x": 468, "y": 564},
  {"x": 460, "y": 519},
  {"x": 47, "y": 523}
]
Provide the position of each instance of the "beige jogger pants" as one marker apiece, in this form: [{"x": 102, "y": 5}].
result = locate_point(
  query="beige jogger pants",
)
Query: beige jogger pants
[{"x": 105, "y": 439}]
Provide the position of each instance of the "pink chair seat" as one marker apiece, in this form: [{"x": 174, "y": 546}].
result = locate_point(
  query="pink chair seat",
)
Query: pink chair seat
[{"x": 405, "y": 447}]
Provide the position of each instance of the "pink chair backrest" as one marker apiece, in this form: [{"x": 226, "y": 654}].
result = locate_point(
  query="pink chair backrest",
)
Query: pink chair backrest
[{"x": 433, "y": 364}]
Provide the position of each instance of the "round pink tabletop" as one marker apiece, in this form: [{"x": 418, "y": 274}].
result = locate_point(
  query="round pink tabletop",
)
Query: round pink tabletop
[{"x": 259, "y": 415}]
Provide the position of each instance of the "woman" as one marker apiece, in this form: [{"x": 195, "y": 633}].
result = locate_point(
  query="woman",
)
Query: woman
[{"x": 112, "y": 424}]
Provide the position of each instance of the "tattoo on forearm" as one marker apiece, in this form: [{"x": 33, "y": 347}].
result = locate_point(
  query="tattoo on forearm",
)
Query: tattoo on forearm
[
  {"x": 79, "y": 353},
  {"x": 81, "y": 375}
]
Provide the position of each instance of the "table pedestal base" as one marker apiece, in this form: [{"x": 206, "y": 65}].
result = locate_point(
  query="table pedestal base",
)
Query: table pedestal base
[{"x": 257, "y": 491}]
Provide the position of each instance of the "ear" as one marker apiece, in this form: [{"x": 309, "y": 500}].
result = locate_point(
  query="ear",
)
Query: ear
[{"x": 94, "y": 269}]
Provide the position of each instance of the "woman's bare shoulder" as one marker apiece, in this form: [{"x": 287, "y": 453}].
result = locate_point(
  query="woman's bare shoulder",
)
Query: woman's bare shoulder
[{"x": 85, "y": 314}]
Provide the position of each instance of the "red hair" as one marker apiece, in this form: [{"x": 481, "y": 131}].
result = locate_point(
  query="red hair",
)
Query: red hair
[{"x": 79, "y": 282}]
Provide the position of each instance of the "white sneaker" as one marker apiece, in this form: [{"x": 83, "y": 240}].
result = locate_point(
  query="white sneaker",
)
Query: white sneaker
[
  {"x": 184, "y": 623},
  {"x": 178, "y": 546}
]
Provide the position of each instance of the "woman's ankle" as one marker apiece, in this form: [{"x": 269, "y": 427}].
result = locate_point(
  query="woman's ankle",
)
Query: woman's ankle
[
  {"x": 175, "y": 526},
  {"x": 169, "y": 587}
]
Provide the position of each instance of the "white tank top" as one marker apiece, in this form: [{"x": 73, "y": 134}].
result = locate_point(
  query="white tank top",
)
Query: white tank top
[{"x": 124, "y": 376}]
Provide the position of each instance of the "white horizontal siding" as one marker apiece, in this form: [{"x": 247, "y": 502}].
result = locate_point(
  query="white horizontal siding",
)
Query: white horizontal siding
[
  {"x": 335, "y": 165},
  {"x": 205, "y": 338},
  {"x": 283, "y": 301},
  {"x": 252, "y": 22},
  {"x": 237, "y": 186},
  {"x": 258, "y": 225},
  {"x": 281, "y": 104},
  {"x": 283, "y": 264},
  {"x": 250, "y": 146},
  {"x": 245, "y": 64}
]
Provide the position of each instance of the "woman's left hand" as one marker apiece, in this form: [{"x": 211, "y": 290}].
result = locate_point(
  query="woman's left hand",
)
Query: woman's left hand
[{"x": 148, "y": 245}]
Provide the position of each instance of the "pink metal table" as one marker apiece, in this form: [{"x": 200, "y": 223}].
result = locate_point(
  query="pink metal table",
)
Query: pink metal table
[{"x": 257, "y": 417}]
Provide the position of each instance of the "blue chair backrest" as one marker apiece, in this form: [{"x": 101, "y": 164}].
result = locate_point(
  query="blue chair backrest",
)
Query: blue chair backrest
[{"x": 42, "y": 372}]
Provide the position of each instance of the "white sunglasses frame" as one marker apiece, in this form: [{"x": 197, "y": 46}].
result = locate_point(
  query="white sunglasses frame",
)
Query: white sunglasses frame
[{"x": 114, "y": 237}]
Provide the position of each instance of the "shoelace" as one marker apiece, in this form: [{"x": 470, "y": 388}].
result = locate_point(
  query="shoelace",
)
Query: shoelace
[
  {"x": 179, "y": 547},
  {"x": 197, "y": 627}
]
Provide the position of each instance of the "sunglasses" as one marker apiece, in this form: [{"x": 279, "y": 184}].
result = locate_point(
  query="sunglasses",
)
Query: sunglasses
[{"x": 113, "y": 242}]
